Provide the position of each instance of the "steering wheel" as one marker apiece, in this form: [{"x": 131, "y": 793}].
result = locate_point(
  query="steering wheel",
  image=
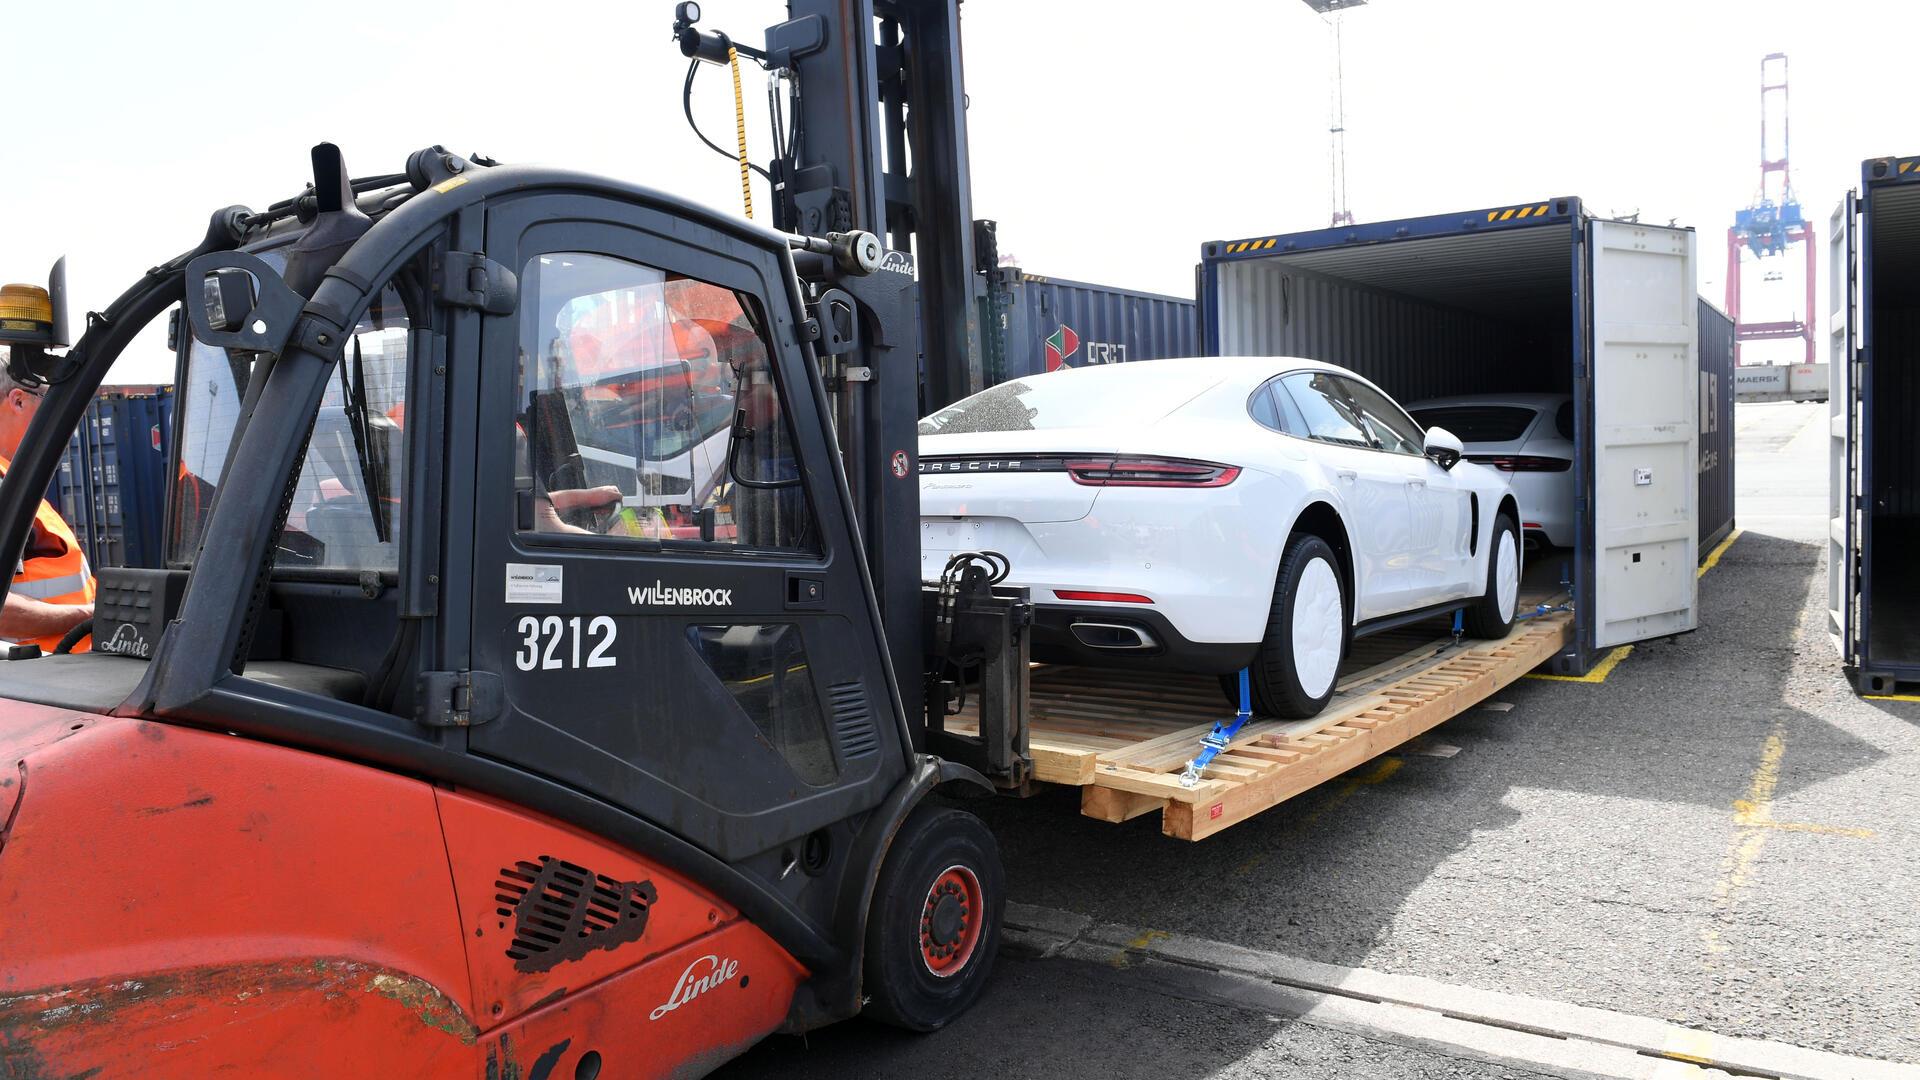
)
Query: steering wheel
[{"x": 571, "y": 475}]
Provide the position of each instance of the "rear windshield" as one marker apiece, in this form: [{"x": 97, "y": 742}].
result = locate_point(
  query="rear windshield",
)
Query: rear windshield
[
  {"x": 1478, "y": 423},
  {"x": 1071, "y": 399}
]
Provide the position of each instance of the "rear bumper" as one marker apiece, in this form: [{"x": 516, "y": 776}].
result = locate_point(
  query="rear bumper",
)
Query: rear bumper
[{"x": 1057, "y": 641}]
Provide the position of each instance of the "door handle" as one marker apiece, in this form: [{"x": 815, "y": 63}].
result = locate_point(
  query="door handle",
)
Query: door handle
[
  {"x": 1416, "y": 483},
  {"x": 1346, "y": 474}
]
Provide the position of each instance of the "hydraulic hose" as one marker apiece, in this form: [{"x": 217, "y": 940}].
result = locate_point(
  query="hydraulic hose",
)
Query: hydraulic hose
[{"x": 73, "y": 636}]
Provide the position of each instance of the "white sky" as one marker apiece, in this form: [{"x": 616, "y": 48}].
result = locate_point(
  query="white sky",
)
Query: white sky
[{"x": 1110, "y": 140}]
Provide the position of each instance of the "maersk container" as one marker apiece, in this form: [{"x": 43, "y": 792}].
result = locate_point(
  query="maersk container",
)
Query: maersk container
[
  {"x": 1037, "y": 324},
  {"x": 1716, "y": 425},
  {"x": 1537, "y": 297},
  {"x": 1874, "y": 368},
  {"x": 112, "y": 483}
]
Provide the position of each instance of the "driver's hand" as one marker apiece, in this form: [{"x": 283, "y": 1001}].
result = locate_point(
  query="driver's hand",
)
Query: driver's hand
[{"x": 592, "y": 498}]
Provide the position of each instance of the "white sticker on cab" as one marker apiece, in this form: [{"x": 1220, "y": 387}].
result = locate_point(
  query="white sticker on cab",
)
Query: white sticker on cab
[{"x": 534, "y": 583}]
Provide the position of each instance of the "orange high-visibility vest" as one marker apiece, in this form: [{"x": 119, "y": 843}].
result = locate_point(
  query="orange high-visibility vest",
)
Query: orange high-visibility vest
[{"x": 57, "y": 579}]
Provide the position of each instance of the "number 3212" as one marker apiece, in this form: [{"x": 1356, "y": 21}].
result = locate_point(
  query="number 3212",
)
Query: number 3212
[{"x": 541, "y": 640}]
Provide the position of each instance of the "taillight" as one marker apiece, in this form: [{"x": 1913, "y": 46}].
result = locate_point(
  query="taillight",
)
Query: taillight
[
  {"x": 1151, "y": 472},
  {"x": 1102, "y": 597},
  {"x": 1522, "y": 463}
]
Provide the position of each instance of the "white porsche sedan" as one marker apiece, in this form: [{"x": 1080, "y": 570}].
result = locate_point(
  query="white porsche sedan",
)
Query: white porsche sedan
[{"x": 1216, "y": 514}]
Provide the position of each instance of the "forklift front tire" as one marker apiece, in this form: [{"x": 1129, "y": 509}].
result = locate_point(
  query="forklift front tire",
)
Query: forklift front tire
[{"x": 935, "y": 923}]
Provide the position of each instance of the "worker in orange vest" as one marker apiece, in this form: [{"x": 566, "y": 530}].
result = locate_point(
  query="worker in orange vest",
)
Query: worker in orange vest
[{"x": 53, "y": 586}]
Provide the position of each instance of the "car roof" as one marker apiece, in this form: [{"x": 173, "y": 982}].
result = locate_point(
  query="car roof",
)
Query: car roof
[{"x": 1202, "y": 370}]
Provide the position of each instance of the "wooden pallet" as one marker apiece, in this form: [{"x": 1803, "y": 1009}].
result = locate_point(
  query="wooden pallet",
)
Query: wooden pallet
[{"x": 1123, "y": 737}]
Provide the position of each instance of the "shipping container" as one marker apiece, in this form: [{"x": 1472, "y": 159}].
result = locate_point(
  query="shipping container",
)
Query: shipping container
[
  {"x": 112, "y": 483},
  {"x": 1780, "y": 382},
  {"x": 1036, "y": 324},
  {"x": 1873, "y": 584},
  {"x": 1807, "y": 382},
  {"x": 1716, "y": 425},
  {"x": 1760, "y": 382},
  {"x": 1538, "y": 297}
]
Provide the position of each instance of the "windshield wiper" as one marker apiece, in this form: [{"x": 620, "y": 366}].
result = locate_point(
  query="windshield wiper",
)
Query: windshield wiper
[{"x": 372, "y": 481}]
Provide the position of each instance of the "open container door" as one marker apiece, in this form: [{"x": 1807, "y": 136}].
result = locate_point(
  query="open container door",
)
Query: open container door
[
  {"x": 1843, "y": 475},
  {"x": 1646, "y": 439}
]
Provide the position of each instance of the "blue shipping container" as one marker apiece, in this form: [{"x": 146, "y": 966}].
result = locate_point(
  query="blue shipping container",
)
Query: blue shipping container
[
  {"x": 1873, "y": 580},
  {"x": 1037, "y": 324},
  {"x": 112, "y": 484}
]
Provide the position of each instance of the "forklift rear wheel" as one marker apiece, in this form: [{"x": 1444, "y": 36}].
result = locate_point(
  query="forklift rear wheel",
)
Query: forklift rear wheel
[{"x": 935, "y": 923}]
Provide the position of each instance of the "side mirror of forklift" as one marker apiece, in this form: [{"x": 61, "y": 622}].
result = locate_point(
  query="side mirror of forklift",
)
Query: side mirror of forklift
[{"x": 1443, "y": 447}]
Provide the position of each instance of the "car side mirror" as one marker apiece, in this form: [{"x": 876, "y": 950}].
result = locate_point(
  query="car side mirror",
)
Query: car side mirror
[{"x": 1443, "y": 447}]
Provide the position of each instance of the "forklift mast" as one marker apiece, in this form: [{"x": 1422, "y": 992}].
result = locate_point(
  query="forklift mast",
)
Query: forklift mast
[{"x": 877, "y": 142}]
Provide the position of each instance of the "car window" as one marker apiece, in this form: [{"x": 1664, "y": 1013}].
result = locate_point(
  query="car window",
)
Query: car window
[
  {"x": 1324, "y": 410},
  {"x": 1389, "y": 425},
  {"x": 1273, "y": 407},
  {"x": 1260, "y": 406},
  {"x": 1479, "y": 423},
  {"x": 1563, "y": 420}
]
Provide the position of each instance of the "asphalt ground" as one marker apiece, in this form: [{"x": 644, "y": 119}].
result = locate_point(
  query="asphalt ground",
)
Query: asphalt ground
[{"x": 1720, "y": 835}]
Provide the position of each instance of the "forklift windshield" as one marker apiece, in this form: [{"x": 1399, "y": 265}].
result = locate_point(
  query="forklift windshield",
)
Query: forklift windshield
[{"x": 344, "y": 513}]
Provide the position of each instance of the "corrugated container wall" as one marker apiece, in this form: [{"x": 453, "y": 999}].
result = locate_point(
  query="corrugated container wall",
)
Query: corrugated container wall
[
  {"x": 1716, "y": 426},
  {"x": 1037, "y": 324},
  {"x": 112, "y": 483}
]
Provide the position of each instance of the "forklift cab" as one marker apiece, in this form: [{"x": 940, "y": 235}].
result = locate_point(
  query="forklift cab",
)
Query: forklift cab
[{"x": 520, "y": 487}]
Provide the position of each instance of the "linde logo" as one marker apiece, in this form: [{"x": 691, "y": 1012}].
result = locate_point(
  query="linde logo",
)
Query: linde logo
[
  {"x": 967, "y": 466},
  {"x": 127, "y": 641},
  {"x": 701, "y": 976},
  {"x": 659, "y": 594},
  {"x": 897, "y": 262}
]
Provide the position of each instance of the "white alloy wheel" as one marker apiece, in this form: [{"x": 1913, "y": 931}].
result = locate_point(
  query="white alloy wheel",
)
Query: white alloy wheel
[
  {"x": 1506, "y": 574},
  {"x": 1318, "y": 613}
]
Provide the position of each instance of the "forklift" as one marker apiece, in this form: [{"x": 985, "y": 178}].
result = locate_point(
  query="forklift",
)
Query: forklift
[{"x": 541, "y": 682}]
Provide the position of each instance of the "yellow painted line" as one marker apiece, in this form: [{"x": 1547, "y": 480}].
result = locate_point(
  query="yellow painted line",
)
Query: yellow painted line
[
  {"x": 1599, "y": 672},
  {"x": 1694, "y": 1047},
  {"x": 1891, "y": 697},
  {"x": 1491, "y": 214},
  {"x": 1506, "y": 215},
  {"x": 1120, "y": 959},
  {"x": 1542, "y": 209},
  {"x": 1713, "y": 557},
  {"x": 1753, "y": 820}
]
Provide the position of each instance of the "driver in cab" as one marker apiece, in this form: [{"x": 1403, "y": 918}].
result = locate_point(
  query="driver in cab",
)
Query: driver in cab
[{"x": 619, "y": 384}]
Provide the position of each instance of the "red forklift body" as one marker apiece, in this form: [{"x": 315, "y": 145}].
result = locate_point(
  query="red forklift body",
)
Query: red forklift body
[{"x": 178, "y": 900}]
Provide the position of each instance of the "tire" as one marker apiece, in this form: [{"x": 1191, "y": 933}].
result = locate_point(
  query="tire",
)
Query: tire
[
  {"x": 935, "y": 922},
  {"x": 1298, "y": 664},
  {"x": 1491, "y": 616}
]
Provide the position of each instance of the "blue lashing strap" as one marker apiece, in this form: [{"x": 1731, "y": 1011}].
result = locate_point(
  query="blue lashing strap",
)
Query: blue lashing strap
[{"x": 1213, "y": 742}]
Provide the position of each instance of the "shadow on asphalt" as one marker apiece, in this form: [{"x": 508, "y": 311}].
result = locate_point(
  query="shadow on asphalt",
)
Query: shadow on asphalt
[{"x": 1682, "y": 721}]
